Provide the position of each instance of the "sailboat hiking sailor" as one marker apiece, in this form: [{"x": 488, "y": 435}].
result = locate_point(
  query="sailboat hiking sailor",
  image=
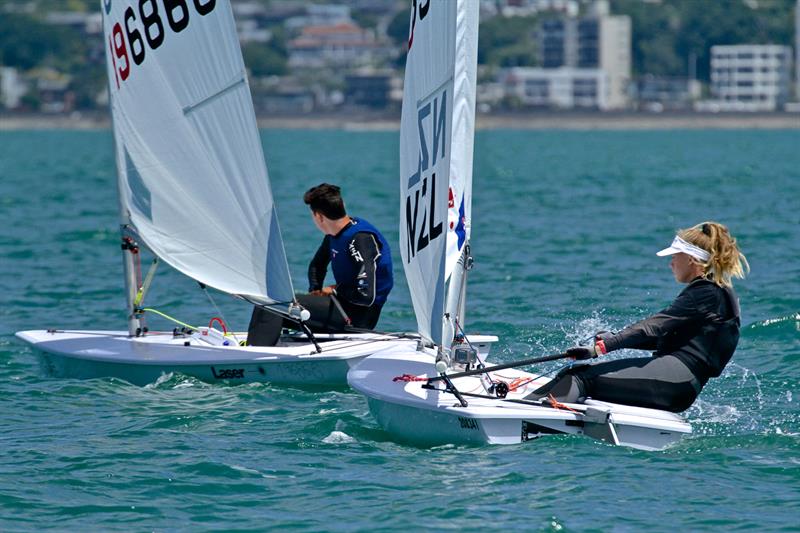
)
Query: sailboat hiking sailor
[
  {"x": 693, "y": 338},
  {"x": 445, "y": 394},
  {"x": 361, "y": 261},
  {"x": 194, "y": 190}
]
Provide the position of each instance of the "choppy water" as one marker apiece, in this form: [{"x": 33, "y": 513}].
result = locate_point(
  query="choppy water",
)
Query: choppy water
[{"x": 566, "y": 225}]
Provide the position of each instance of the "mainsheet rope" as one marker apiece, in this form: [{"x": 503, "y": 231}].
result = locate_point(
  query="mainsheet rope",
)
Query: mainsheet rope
[{"x": 389, "y": 336}]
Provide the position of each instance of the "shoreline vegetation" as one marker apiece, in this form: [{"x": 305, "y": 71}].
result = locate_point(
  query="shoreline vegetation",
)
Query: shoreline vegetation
[{"x": 543, "y": 120}]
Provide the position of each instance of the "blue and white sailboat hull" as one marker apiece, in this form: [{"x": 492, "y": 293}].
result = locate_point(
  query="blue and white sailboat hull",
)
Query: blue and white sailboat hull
[
  {"x": 145, "y": 359},
  {"x": 413, "y": 413}
]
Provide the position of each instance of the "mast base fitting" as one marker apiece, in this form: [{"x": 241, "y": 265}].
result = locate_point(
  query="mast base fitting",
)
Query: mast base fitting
[
  {"x": 464, "y": 355},
  {"x": 129, "y": 244}
]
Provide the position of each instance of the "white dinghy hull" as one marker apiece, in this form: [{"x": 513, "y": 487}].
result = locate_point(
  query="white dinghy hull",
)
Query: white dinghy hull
[
  {"x": 143, "y": 360},
  {"x": 417, "y": 415}
]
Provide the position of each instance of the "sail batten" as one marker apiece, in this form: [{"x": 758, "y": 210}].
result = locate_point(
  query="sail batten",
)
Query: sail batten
[
  {"x": 441, "y": 87},
  {"x": 241, "y": 79},
  {"x": 191, "y": 172}
]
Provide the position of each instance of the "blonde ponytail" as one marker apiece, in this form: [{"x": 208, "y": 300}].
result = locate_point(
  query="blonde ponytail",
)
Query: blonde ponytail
[{"x": 726, "y": 261}]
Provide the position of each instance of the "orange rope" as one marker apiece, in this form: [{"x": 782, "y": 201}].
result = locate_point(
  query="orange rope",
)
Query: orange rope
[
  {"x": 409, "y": 377},
  {"x": 555, "y": 404},
  {"x": 518, "y": 382}
]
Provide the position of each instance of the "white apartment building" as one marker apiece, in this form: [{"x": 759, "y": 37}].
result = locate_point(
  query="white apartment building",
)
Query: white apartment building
[
  {"x": 597, "y": 41},
  {"x": 750, "y": 77},
  {"x": 564, "y": 88},
  {"x": 12, "y": 87},
  {"x": 615, "y": 50}
]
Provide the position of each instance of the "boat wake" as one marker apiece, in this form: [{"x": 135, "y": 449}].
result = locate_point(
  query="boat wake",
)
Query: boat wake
[
  {"x": 788, "y": 323},
  {"x": 705, "y": 412},
  {"x": 338, "y": 437},
  {"x": 582, "y": 331},
  {"x": 175, "y": 380}
]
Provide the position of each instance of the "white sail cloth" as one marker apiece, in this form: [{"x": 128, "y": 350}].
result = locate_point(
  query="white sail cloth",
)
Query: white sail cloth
[
  {"x": 192, "y": 177},
  {"x": 436, "y": 146}
]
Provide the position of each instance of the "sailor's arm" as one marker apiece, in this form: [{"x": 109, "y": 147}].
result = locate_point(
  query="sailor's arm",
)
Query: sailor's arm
[
  {"x": 684, "y": 312},
  {"x": 318, "y": 267}
]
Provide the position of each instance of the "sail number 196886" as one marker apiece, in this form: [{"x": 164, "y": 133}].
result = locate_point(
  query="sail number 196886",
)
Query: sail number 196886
[{"x": 146, "y": 24}]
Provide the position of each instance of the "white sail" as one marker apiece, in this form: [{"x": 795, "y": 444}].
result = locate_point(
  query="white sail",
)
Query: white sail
[
  {"x": 192, "y": 176},
  {"x": 436, "y": 145}
]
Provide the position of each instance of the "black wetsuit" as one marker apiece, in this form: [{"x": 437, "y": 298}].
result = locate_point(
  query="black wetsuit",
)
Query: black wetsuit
[
  {"x": 362, "y": 265},
  {"x": 693, "y": 339}
]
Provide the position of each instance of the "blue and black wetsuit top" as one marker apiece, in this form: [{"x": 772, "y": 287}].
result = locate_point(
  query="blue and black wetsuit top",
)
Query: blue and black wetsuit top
[{"x": 361, "y": 261}]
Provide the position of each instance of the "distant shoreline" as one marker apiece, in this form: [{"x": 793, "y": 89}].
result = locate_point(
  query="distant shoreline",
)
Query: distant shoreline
[{"x": 522, "y": 120}]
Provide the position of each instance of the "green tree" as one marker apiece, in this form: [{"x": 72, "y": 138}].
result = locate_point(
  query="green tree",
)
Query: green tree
[
  {"x": 730, "y": 22},
  {"x": 666, "y": 35},
  {"x": 509, "y": 40},
  {"x": 87, "y": 82},
  {"x": 364, "y": 20},
  {"x": 26, "y": 43},
  {"x": 271, "y": 58},
  {"x": 398, "y": 27},
  {"x": 264, "y": 60},
  {"x": 519, "y": 55}
]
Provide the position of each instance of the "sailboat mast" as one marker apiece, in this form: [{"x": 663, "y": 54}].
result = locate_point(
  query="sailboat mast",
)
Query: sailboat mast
[
  {"x": 462, "y": 299},
  {"x": 129, "y": 244},
  {"x": 130, "y": 251},
  {"x": 456, "y": 296},
  {"x": 130, "y": 248}
]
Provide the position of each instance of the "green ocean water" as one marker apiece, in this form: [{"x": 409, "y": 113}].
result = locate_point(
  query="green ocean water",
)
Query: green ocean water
[{"x": 565, "y": 229}]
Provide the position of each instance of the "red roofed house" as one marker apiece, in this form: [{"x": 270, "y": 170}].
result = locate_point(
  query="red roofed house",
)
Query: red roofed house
[{"x": 340, "y": 45}]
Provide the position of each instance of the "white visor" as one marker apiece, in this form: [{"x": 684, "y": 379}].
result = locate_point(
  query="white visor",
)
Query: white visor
[{"x": 679, "y": 245}]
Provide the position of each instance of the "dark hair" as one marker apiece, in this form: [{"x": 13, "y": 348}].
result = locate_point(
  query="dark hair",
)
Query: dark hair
[{"x": 327, "y": 200}]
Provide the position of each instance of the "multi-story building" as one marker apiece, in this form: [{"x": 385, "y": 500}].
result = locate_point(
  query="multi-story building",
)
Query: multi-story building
[
  {"x": 563, "y": 88},
  {"x": 86, "y": 23},
  {"x": 320, "y": 15},
  {"x": 664, "y": 93},
  {"x": 514, "y": 8},
  {"x": 750, "y": 77},
  {"x": 598, "y": 41},
  {"x": 249, "y": 17},
  {"x": 558, "y": 43},
  {"x": 12, "y": 87},
  {"x": 340, "y": 45},
  {"x": 377, "y": 89}
]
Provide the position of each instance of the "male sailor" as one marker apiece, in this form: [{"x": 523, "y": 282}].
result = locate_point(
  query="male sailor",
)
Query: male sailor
[{"x": 361, "y": 261}]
